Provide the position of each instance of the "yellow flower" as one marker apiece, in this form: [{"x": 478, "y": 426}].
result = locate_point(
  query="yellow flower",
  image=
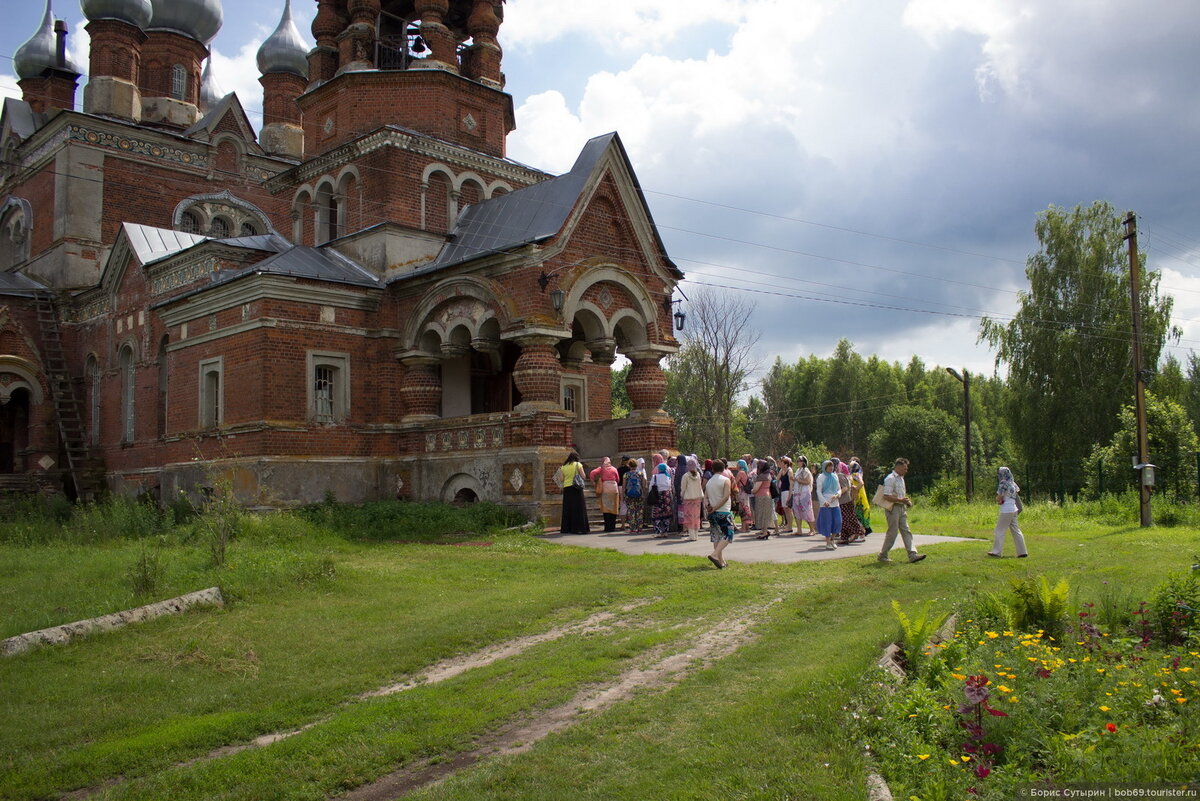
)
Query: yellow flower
[
  {"x": 958, "y": 676},
  {"x": 922, "y": 757},
  {"x": 1177, "y": 692},
  {"x": 1181, "y": 700},
  {"x": 912, "y": 716},
  {"x": 966, "y": 758},
  {"x": 1099, "y": 670},
  {"x": 1103, "y": 709},
  {"x": 1003, "y": 688},
  {"x": 1008, "y": 634},
  {"x": 953, "y": 761},
  {"x": 991, "y": 635},
  {"x": 1012, "y": 698}
]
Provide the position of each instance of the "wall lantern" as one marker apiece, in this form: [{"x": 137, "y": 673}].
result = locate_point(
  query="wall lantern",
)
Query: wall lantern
[
  {"x": 557, "y": 297},
  {"x": 680, "y": 318}
]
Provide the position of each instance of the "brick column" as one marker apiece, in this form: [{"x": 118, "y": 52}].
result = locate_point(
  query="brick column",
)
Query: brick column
[
  {"x": 485, "y": 56},
  {"x": 442, "y": 47},
  {"x": 357, "y": 42},
  {"x": 646, "y": 383},
  {"x": 648, "y": 428},
  {"x": 421, "y": 387},
  {"x": 323, "y": 59},
  {"x": 537, "y": 374}
]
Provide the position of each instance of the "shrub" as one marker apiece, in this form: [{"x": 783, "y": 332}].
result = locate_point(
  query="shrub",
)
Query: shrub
[
  {"x": 917, "y": 632},
  {"x": 1035, "y": 605},
  {"x": 946, "y": 492},
  {"x": 1173, "y": 608}
]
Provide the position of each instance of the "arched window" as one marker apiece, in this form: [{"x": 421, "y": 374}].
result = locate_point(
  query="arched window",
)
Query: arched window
[
  {"x": 126, "y": 370},
  {"x": 219, "y": 228},
  {"x": 189, "y": 223},
  {"x": 248, "y": 229},
  {"x": 179, "y": 82},
  {"x": 93, "y": 379}
]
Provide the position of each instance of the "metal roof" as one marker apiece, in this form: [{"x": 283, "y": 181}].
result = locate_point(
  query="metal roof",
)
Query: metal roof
[
  {"x": 151, "y": 244},
  {"x": 21, "y": 117},
  {"x": 18, "y": 284},
  {"x": 522, "y": 217}
]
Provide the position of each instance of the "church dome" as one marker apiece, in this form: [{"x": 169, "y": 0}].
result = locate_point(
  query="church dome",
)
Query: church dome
[
  {"x": 284, "y": 50},
  {"x": 135, "y": 12},
  {"x": 196, "y": 19},
  {"x": 40, "y": 52},
  {"x": 211, "y": 92}
]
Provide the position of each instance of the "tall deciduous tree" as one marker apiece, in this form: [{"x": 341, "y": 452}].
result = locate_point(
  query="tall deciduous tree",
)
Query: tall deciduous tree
[
  {"x": 1069, "y": 347},
  {"x": 709, "y": 373}
]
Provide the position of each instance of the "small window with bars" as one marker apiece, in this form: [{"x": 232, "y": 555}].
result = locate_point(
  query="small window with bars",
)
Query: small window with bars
[
  {"x": 179, "y": 82},
  {"x": 324, "y": 386}
]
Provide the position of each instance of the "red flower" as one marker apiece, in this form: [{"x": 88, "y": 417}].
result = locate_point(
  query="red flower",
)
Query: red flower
[
  {"x": 982, "y": 771},
  {"x": 1112, "y": 727}
]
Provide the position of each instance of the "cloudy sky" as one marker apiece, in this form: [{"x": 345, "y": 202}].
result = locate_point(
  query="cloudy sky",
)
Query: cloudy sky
[{"x": 855, "y": 168}]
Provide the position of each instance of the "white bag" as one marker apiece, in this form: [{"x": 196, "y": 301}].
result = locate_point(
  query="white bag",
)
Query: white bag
[{"x": 879, "y": 500}]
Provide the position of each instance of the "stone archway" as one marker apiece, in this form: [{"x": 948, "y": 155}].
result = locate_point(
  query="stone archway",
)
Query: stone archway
[
  {"x": 14, "y": 429},
  {"x": 461, "y": 488}
]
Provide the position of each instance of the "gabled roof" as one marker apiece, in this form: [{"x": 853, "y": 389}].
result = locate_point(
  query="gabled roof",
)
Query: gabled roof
[
  {"x": 206, "y": 126},
  {"x": 151, "y": 244},
  {"x": 20, "y": 118},
  {"x": 534, "y": 213}
]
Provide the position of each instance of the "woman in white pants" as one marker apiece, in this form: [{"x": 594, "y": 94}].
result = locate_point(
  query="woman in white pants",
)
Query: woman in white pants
[{"x": 1007, "y": 495}]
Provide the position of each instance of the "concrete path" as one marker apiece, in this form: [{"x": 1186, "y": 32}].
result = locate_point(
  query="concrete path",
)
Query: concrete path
[{"x": 744, "y": 548}]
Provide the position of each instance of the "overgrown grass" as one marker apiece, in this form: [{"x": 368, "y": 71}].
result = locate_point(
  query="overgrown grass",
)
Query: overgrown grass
[
  {"x": 390, "y": 521},
  {"x": 325, "y": 607}
]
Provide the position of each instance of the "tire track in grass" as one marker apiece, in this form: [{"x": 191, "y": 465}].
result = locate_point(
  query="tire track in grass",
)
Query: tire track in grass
[
  {"x": 708, "y": 647},
  {"x": 438, "y": 672}
]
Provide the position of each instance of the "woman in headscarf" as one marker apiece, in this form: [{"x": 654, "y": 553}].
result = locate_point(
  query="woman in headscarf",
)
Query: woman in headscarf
[
  {"x": 605, "y": 479},
  {"x": 764, "y": 504},
  {"x": 574, "y": 508},
  {"x": 802, "y": 498},
  {"x": 662, "y": 507},
  {"x": 691, "y": 493},
  {"x": 786, "y": 479},
  {"x": 851, "y": 530},
  {"x": 862, "y": 505},
  {"x": 633, "y": 492},
  {"x": 1008, "y": 496},
  {"x": 742, "y": 488},
  {"x": 829, "y": 493}
]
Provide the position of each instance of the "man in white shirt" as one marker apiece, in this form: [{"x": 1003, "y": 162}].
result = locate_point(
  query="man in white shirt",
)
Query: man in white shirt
[
  {"x": 720, "y": 519},
  {"x": 895, "y": 493}
]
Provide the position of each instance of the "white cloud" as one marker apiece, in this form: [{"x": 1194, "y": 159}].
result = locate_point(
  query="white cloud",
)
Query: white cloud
[
  {"x": 8, "y": 86},
  {"x": 645, "y": 25},
  {"x": 239, "y": 73}
]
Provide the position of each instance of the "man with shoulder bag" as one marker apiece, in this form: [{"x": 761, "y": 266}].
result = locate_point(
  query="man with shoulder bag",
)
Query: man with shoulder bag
[{"x": 895, "y": 493}]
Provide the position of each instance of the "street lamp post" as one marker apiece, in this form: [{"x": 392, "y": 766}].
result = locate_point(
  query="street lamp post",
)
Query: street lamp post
[{"x": 965, "y": 380}]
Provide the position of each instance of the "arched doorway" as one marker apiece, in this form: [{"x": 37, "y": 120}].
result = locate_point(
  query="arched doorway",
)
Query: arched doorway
[{"x": 14, "y": 431}]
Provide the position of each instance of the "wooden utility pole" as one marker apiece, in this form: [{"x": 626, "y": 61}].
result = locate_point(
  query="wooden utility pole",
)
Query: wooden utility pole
[
  {"x": 965, "y": 378},
  {"x": 1139, "y": 375}
]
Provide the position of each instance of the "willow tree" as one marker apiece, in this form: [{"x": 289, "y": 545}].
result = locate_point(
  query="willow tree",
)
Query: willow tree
[{"x": 1069, "y": 348}]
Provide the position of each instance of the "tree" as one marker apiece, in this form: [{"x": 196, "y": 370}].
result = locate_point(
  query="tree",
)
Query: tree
[
  {"x": 1068, "y": 349},
  {"x": 709, "y": 373},
  {"x": 929, "y": 438},
  {"x": 621, "y": 405},
  {"x": 1173, "y": 443}
]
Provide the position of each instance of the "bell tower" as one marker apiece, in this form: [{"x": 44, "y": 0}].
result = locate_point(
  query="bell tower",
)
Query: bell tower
[{"x": 432, "y": 66}]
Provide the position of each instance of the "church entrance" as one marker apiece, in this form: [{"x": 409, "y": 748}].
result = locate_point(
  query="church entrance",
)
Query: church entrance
[{"x": 14, "y": 431}]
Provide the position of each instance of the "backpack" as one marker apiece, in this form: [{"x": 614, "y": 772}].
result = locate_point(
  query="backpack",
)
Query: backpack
[
  {"x": 633, "y": 485},
  {"x": 774, "y": 489}
]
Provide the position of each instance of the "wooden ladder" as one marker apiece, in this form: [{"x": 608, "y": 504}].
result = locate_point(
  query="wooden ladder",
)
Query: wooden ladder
[{"x": 67, "y": 412}]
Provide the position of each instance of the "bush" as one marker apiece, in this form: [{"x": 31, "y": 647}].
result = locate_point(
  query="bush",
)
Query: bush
[
  {"x": 1036, "y": 606},
  {"x": 946, "y": 492},
  {"x": 1173, "y": 608}
]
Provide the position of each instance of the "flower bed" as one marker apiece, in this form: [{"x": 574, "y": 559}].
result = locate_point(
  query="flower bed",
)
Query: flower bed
[{"x": 992, "y": 709}]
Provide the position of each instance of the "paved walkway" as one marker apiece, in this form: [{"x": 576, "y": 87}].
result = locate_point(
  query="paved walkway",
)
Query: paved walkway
[{"x": 745, "y": 548}]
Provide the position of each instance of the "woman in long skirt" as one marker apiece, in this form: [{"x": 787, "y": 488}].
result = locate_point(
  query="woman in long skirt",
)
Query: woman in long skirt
[
  {"x": 662, "y": 511},
  {"x": 862, "y": 504},
  {"x": 605, "y": 478},
  {"x": 634, "y": 480},
  {"x": 574, "y": 508},
  {"x": 829, "y": 518},
  {"x": 743, "y": 487},
  {"x": 764, "y": 504},
  {"x": 1007, "y": 493},
  {"x": 802, "y": 498},
  {"x": 851, "y": 530}
]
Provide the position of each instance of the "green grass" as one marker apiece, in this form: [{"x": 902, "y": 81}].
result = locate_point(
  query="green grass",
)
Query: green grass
[{"x": 297, "y": 645}]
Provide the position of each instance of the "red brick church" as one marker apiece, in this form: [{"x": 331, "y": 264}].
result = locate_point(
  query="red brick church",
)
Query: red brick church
[{"x": 367, "y": 299}]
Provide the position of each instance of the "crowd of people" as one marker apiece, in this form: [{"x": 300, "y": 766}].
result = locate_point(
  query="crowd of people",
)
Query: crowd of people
[{"x": 765, "y": 496}]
